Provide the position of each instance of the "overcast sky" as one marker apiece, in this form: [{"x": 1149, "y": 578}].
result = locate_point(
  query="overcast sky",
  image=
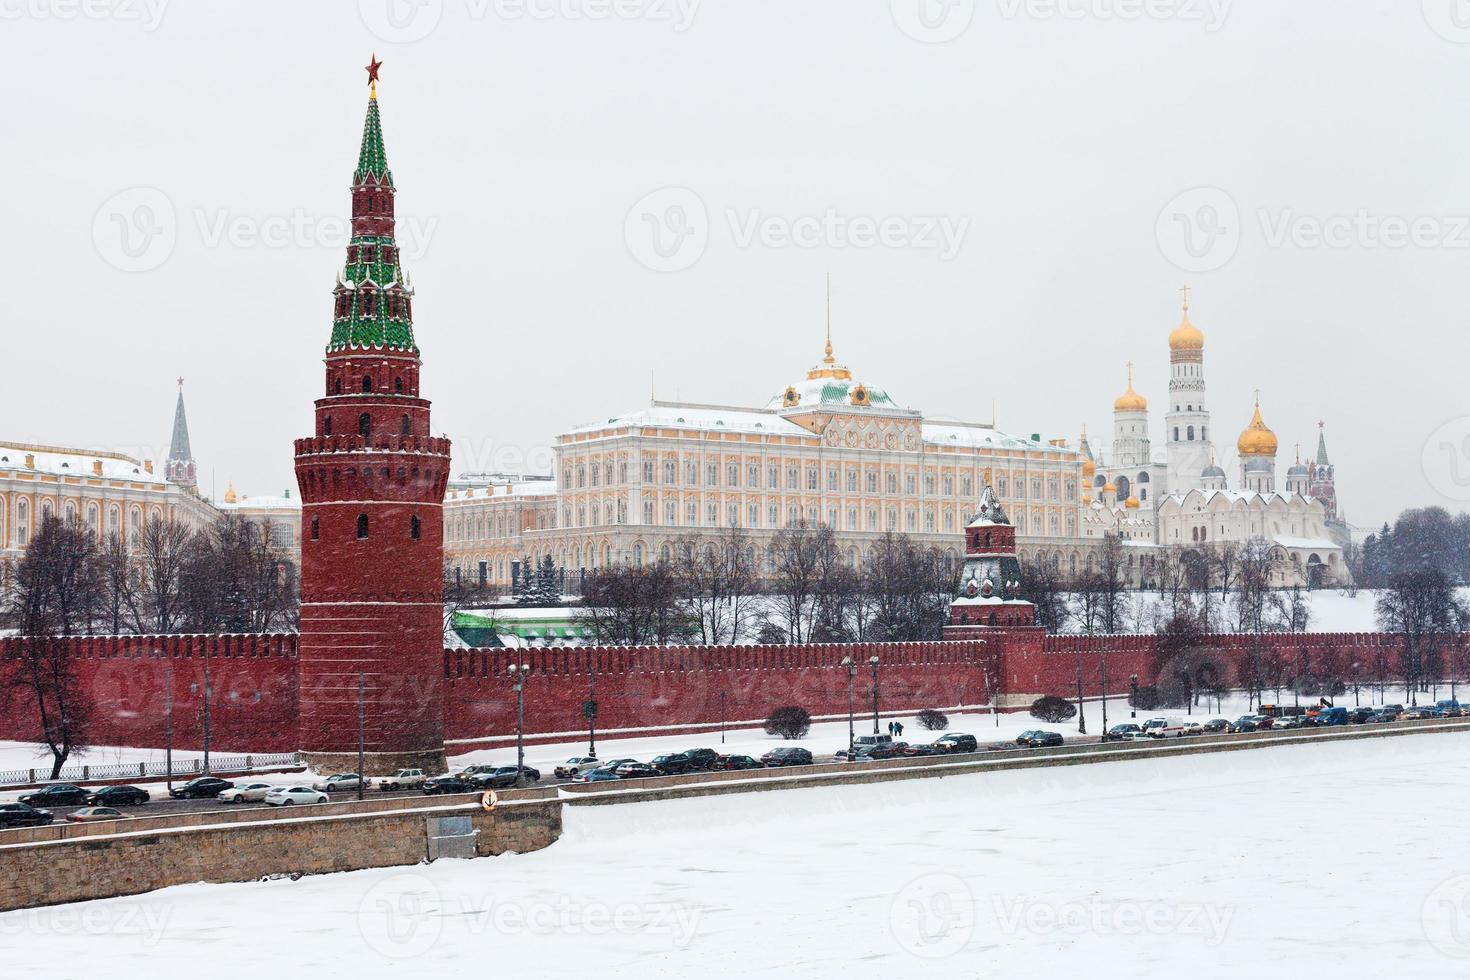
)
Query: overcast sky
[{"x": 1008, "y": 195}]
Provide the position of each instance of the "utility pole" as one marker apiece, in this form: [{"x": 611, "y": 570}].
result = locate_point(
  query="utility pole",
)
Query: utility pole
[
  {"x": 589, "y": 712},
  {"x": 361, "y": 730},
  {"x": 722, "y": 717},
  {"x": 1081, "y": 714},
  {"x": 1132, "y": 695},
  {"x": 518, "y": 674},
  {"x": 1102, "y": 674},
  {"x": 207, "y": 692},
  {"x": 168, "y": 738},
  {"x": 851, "y": 703}
]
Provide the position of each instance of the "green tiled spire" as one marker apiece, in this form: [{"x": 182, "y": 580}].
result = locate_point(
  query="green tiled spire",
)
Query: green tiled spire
[
  {"x": 1322, "y": 459},
  {"x": 372, "y": 159}
]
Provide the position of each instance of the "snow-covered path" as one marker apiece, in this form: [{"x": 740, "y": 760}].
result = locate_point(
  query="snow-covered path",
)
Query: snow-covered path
[{"x": 1290, "y": 858}]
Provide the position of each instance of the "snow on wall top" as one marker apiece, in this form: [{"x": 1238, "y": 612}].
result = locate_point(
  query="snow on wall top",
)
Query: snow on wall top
[{"x": 62, "y": 461}]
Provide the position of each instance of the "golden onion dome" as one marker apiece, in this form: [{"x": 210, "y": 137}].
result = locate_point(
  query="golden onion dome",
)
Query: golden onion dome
[
  {"x": 1111, "y": 487},
  {"x": 230, "y": 494},
  {"x": 1257, "y": 439},
  {"x": 1130, "y": 400},
  {"x": 1132, "y": 503},
  {"x": 1087, "y": 500},
  {"x": 1089, "y": 468},
  {"x": 1186, "y": 336}
]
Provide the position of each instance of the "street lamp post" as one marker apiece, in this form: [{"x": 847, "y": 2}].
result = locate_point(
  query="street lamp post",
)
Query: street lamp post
[
  {"x": 1081, "y": 714},
  {"x": 589, "y": 712},
  {"x": 873, "y": 662},
  {"x": 1132, "y": 695},
  {"x": 1102, "y": 677},
  {"x": 517, "y": 674},
  {"x": 722, "y": 717},
  {"x": 1358, "y": 703},
  {"x": 851, "y": 666},
  {"x": 361, "y": 732}
]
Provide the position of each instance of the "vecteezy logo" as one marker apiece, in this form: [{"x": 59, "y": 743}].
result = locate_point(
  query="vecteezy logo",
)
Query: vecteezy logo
[
  {"x": 1450, "y": 19},
  {"x": 1199, "y": 230},
  {"x": 1445, "y": 917},
  {"x": 399, "y": 917},
  {"x": 1447, "y": 459},
  {"x": 668, "y": 230},
  {"x": 933, "y": 916},
  {"x": 400, "y": 21},
  {"x": 135, "y": 230},
  {"x": 932, "y": 21}
]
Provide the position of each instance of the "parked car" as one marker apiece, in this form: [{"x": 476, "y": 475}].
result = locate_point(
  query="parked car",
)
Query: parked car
[
  {"x": 888, "y": 750},
  {"x": 1382, "y": 717},
  {"x": 1393, "y": 709},
  {"x": 1285, "y": 724},
  {"x": 23, "y": 815},
  {"x": 612, "y": 764},
  {"x": 341, "y": 783},
  {"x": 1332, "y": 716},
  {"x": 637, "y": 770},
  {"x": 57, "y": 794},
  {"x": 400, "y": 780},
  {"x": 1164, "y": 727},
  {"x": 1245, "y": 723},
  {"x": 673, "y": 764},
  {"x": 728, "y": 763},
  {"x": 1119, "y": 732},
  {"x": 1193, "y": 728},
  {"x": 922, "y": 749},
  {"x": 1360, "y": 715},
  {"x": 245, "y": 793},
  {"x": 95, "y": 814},
  {"x": 291, "y": 795},
  {"x": 1415, "y": 714},
  {"x": 1025, "y": 737},
  {"x": 863, "y": 741},
  {"x": 787, "y": 756},
  {"x": 957, "y": 742},
  {"x": 1044, "y": 740},
  {"x": 1449, "y": 708},
  {"x": 1215, "y": 726},
  {"x": 201, "y": 788},
  {"x": 457, "y": 783},
  {"x": 574, "y": 766},
  {"x": 702, "y": 759},
  {"x": 598, "y": 775},
  {"x": 118, "y": 796},
  {"x": 504, "y": 777}
]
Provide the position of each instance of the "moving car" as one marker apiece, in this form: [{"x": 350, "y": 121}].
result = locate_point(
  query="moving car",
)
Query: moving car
[
  {"x": 957, "y": 742},
  {"x": 402, "y": 779},
  {"x": 201, "y": 788},
  {"x": 291, "y": 795},
  {"x": 457, "y": 783},
  {"x": 57, "y": 794},
  {"x": 674, "y": 764},
  {"x": 118, "y": 796},
  {"x": 1415, "y": 714},
  {"x": 1044, "y": 740},
  {"x": 574, "y": 766},
  {"x": 340, "y": 783},
  {"x": 1332, "y": 716},
  {"x": 93, "y": 814},
  {"x": 727, "y": 763},
  {"x": 23, "y": 815},
  {"x": 787, "y": 756},
  {"x": 245, "y": 793},
  {"x": 922, "y": 749},
  {"x": 1360, "y": 715},
  {"x": 1382, "y": 717}
]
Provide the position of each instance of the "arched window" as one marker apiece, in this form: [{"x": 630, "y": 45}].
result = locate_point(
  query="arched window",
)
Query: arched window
[
  {"x": 398, "y": 385},
  {"x": 362, "y": 526},
  {"x": 405, "y": 425},
  {"x": 1190, "y": 431},
  {"x": 327, "y": 426},
  {"x": 337, "y": 387},
  {"x": 367, "y": 383},
  {"x": 316, "y": 529},
  {"x": 413, "y": 527},
  {"x": 364, "y": 425}
]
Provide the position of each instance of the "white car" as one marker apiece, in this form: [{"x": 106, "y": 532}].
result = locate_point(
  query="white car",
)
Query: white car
[
  {"x": 288, "y": 795},
  {"x": 1193, "y": 728},
  {"x": 244, "y": 793},
  {"x": 339, "y": 783},
  {"x": 575, "y": 766}
]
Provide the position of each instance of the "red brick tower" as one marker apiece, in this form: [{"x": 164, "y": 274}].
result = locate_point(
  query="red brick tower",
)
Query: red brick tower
[
  {"x": 990, "y": 585},
  {"x": 372, "y": 484}
]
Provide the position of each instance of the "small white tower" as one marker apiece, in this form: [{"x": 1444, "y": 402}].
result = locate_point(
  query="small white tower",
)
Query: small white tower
[
  {"x": 1187, "y": 423},
  {"x": 1257, "y": 447}
]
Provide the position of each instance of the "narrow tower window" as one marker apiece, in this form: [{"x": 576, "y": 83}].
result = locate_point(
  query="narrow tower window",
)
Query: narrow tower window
[
  {"x": 367, "y": 383},
  {"x": 362, "y": 526},
  {"x": 337, "y": 386},
  {"x": 398, "y": 385},
  {"x": 316, "y": 529},
  {"x": 327, "y": 426},
  {"x": 413, "y": 527},
  {"x": 364, "y": 425},
  {"x": 407, "y": 427}
]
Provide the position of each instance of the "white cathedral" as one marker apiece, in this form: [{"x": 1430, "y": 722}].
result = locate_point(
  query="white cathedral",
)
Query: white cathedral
[{"x": 1185, "y": 500}]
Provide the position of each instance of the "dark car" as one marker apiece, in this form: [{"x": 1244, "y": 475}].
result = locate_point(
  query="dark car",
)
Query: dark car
[
  {"x": 598, "y": 775},
  {"x": 203, "y": 788},
  {"x": 957, "y": 742},
  {"x": 923, "y": 749},
  {"x": 1382, "y": 717},
  {"x": 118, "y": 796},
  {"x": 613, "y": 765},
  {"x": 57, "y": 794},
  {"x": 1025, "y": 737},
  {"x": 702, "y": 758},
  {"x": 23, "y": 815},
  {"x": 1215, "y": 726},
  {"x": 457, "y": 783},
  {"x": 1245, "y": 723},
  {"x": 637, "y": 770},
  {"x": 504, "y": 777},
  {"x": 1392, "y": 709},
  {"x": 1119, "y": 732},
  {"x": 788, "y": 756},
  {"x": 1359, "y": 716},
  {"x": 1416, "y": 714},
  {"x": 1045, "y": 740},
  {"x": 674, "y": 764},
  {"x": 729, "y": 763}
]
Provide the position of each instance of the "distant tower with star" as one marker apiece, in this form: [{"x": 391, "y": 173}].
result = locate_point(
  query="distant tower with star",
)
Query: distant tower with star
[
  {"x": 180, "y": 467},
  {"x": 372, "y": 481}
]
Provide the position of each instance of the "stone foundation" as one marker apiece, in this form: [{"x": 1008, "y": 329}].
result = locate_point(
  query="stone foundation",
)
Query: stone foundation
[{"x": 431, "y": 761}]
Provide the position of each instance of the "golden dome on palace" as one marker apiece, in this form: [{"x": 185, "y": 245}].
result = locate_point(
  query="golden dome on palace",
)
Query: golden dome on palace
[
  {"x": 1132, "y": 503},
  {"x": 1089, "y": 468},
  {"x": 1111, "y": 487},
  {"x": 1186, "y": 336},
  {"x": 1130, "y": 400},
  {"x": 1257, "y": 439}
]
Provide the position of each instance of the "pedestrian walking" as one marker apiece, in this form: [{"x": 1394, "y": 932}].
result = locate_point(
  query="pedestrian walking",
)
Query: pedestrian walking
[{"x": 898, "y": 726}]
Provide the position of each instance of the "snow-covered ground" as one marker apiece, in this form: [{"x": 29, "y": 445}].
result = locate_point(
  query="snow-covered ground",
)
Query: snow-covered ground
[{"x": 1285, "y": 860}]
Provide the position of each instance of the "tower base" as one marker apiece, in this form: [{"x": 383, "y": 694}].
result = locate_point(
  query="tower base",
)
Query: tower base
[{"x": 431, "y": 761}]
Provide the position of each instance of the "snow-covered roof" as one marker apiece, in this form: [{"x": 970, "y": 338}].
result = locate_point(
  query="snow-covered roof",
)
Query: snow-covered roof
[
  {"x": 1306, "y": 544},
  {"x": 832, "y": 392},
  {"x": 262, "y": 503},
  {"x": 61, "y": 461},
  {"x": 676, "y": 415},
  {"x": 1239, "y": 496},
  {"x": 974, "y": 436},
  {"x": 530, "y": 488}
]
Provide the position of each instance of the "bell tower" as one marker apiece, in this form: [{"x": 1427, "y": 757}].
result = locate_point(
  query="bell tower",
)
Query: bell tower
[{"x": 372, "y": 482}]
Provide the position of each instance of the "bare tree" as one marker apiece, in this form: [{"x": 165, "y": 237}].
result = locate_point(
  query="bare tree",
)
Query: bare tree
[
  {"x": 1422, "y": 608},
  {"x": 118, "y": 602},
  {"x": 804, "y": 556},
  {"x": 1042, "y": 586},
  {"x": 163, "y": 555},
  {"x": 632, "y": 605},
  {"x": 717, "y": 581}
]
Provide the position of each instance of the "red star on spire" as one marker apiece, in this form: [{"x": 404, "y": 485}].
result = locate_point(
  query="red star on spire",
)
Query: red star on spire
[{"x": 372, "y": 70}]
